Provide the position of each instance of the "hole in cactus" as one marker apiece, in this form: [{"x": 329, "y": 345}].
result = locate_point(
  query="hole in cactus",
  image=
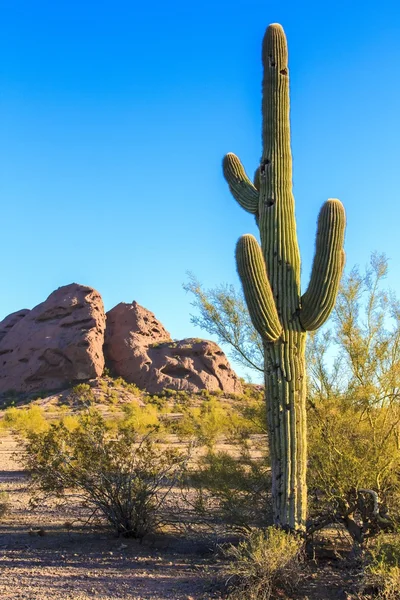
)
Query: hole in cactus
[
  {"x": 283, "y": 71},
  {"x": 270, "y": 202},
  {"x": 271, "y": 61},
  {"x": 263, "y": 165}
]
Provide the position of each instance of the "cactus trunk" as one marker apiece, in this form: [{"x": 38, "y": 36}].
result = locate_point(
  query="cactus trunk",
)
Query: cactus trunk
[
  {"x": 286, "y": 396},
  {"x": 270, "y": 276}
]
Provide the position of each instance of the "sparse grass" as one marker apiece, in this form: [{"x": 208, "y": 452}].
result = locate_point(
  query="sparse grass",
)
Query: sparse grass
[{"x": 130, "y": 387}]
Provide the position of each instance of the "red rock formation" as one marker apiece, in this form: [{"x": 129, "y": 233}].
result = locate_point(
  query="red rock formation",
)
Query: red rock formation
[
  {"x": 11, "y": 320},
  {"x": 56, "y": 343},
  {"x": 139, "y": 349}
]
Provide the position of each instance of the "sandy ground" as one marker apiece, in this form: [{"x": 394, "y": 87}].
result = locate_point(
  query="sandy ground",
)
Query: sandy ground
[
  {"x": 46, "y": 555},
  {"x": 41, "y": 558}
]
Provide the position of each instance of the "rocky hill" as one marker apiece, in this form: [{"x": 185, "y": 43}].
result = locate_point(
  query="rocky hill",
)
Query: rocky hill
[{"x": 69, "y": 338}]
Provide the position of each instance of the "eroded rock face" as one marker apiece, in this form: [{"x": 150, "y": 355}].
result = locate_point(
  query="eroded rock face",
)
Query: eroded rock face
[
  {"x": 11, "y": 320},
  {"x": 139, "y": 349},
  {"x": 132, "y": 320},
  {"x": 58, "y": 342}
]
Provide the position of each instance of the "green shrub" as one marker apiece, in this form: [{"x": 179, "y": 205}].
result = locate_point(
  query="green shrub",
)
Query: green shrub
[
  {"x": 122, "y": 476},
  {"x": 383, "y": 569},
  {"x": 81, "y": 395},
  {"x": 215, "y": 419},
  {"x": 130, "y": 387},
  {"x": 264, "y": 563},
  {"x": 71, "y": 422},
  {"x": 206, "y": 423},
  {"x": 155, "y": 400},
  {"x": 25, "y": 420},
  {"x": 352, "y": 449},
  {"x": 236, "y": 487},
  {"x": 141, "y": 418}
]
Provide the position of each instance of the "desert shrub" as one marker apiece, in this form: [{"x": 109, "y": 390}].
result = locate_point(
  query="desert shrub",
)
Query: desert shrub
[
  {"x": 236, "y": 487},
  {"x": 81, "y": 395},
  {"x": 25, "y": 420},
  {"x": 4, "y": 504},
  {"x": 183, "y": 397},
  {"x": 206, "y": 423},
  {"x": 354, "y": 406},
  {"x": 141, "y": 418},
  {"x": 121, "y": 475},
  {"x": 264, "y": 563},
  {"x": 383, "y": 568},
  {"x": 352, "y": 450},
  {"x": 156, "y": 400},
  {"x": 71, "y": 422},
  {"x": 215, "y": 419},
  {"x": 216, "y": 393},
  {"x": 222, "y": 312},
  {"x": 169, "y": 393},
  {"x": 130, "y": 387}
]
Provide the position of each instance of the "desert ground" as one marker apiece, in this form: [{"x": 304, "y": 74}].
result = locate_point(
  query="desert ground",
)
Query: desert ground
[{"x": 49, "y": 554}]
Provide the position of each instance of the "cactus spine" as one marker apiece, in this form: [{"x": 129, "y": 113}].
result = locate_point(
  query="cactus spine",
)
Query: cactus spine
[{"x": 270, "y": 277}]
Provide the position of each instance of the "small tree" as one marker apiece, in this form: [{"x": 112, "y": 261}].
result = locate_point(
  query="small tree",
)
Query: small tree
[
  {"x": 222, "y": 311},
  {"x": 354, "y": 398}
]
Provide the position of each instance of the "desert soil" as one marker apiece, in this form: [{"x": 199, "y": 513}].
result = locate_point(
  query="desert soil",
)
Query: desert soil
[
  {"x": 41, "y": 557},
  {"x": 45, "y": 554}
]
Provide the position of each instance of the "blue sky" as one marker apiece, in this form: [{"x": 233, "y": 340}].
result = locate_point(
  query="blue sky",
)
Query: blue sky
[{"x": 115, "y": 116}]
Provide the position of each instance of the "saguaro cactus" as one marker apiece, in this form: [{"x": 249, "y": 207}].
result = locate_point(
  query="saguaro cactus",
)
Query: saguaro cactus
[{"x": 270, "y": 276}]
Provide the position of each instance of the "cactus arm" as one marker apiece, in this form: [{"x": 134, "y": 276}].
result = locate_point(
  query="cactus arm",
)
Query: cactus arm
[
  {"x": 240, "y": 185},
  {"x": 257, "y": 290},
  {"x": 319, "y": 299}
]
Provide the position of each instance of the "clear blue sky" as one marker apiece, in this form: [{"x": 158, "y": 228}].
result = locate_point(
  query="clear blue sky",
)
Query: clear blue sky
[{"x": 115, "y": 117}]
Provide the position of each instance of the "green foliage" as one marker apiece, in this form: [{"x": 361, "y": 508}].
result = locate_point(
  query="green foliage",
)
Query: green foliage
[
  {"x": 237, "y": 487},
  {"x": 223, "y": 313},
  {"x": 121, "y": 475},
  {"x": 215, "y": 419},
  {"x": 130, "y": 387},
  {"x": 81, "y": 395},
  {"x": 351, "y": 450},
  {"x": 264, "y": 563},
  {"x": 207, "y": 423},
  {"x": 141, "y": 418},
  {"x": 354, "y": 400},
  {"x": 70, "y": 422},
  {"x": 383, "y": 569},
  {"x": 24, "y": 420}
]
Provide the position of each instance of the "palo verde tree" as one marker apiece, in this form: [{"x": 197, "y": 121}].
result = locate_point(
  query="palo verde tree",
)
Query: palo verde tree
[{"x": 270, "y": 277}]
